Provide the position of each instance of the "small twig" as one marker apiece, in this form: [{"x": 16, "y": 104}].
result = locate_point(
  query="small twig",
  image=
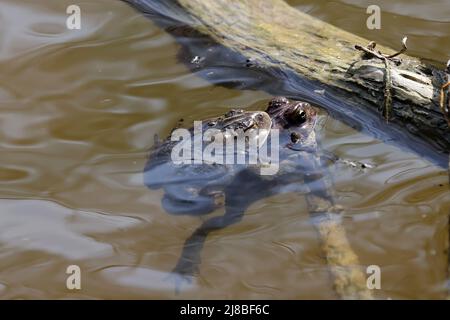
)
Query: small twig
[
  {"x": 387, "y": 90},
  {"x": 404, "y": 48},
  {"x": 370, "y": 51}
]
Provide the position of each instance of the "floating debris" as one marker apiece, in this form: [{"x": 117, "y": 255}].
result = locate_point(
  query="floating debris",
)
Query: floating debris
[
  {"x": 357, "y": 164},
  {"x": 322, "y": 92},
  {"x": 197, "y": 60}
]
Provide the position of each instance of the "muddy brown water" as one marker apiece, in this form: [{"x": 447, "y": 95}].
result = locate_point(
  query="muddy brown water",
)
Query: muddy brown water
[{"x": 78, "y": 111}]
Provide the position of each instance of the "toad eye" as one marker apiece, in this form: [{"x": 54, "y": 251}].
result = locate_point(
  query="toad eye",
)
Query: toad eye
[{"x": 298, "y": 115}]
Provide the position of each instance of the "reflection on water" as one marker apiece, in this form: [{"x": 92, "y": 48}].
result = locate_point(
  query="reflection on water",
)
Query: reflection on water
[{"x": 78, "y": 113}]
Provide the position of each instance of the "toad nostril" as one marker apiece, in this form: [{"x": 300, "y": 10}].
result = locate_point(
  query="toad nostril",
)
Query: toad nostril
[{"x": 295, "y": 137}]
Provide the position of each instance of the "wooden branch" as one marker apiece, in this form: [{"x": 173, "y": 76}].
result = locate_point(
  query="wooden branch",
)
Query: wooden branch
[{"x": 349, "y": 277}]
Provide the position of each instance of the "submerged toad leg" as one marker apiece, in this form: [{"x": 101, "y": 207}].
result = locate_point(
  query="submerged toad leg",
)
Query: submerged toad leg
[
  {"x": 245, "y": 189},
  {"x": 190, "y": 257}
]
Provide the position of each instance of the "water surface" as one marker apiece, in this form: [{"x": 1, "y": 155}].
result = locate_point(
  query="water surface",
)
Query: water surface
[{"x": 78, "y": 111}]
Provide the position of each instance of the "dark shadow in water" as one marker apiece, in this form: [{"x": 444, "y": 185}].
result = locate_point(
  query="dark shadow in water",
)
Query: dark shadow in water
[
  {"x": 246, "y": 188},
  {"x": 302, "y": 173}
]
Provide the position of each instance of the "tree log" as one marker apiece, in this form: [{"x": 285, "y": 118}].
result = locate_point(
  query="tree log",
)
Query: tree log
[{"x": 306, "y": 54}]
